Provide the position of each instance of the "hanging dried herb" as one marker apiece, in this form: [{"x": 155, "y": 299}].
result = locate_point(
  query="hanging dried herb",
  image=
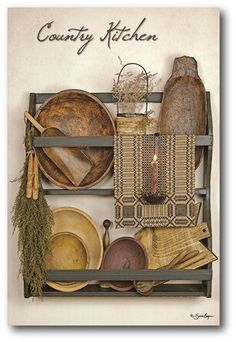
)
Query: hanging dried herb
[
  {"x": 34, "y": 220},
  {"x": 131, "y": 89}
]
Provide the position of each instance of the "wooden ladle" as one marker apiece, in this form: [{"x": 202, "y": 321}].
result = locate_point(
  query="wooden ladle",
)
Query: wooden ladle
[{"x": 71, "y": 161}]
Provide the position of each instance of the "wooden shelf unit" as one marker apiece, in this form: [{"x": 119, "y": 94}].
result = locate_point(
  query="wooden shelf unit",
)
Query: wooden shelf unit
[{"x": 203, "y": 275}]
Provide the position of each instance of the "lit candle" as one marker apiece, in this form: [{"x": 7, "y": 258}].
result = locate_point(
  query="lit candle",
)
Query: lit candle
[{"x": 154, "y": 174}]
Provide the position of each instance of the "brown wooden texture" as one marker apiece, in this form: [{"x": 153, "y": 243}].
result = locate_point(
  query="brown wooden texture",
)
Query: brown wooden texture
[
  {"x": 77, "y": 113},
  {"x": 184, "y": 108},
  {"x": 164, "y": 244},
  {"x": 36, "y": 184},
  {"x": 72, "y": 162},
  {"x": 29, "y": 186},
  {"x": 145, "y": 287}
]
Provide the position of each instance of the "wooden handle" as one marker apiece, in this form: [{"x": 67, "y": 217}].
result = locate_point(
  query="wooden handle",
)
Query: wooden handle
[
  {"x": 106, "y": 237},
  {"x": 29, "y": 186},
  {"x": 191, "y": 261},
  {"x": 190, "y": 255},
  {"x": 183, "y": 258},
  {"x": 36, "y": 179},
  {"x": 178, "y": 259},
  {"x": 34, "y": 122}
]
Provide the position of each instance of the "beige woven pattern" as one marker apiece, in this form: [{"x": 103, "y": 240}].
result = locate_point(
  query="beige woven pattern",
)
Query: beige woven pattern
[
  {"x": 133, "y": 125},
  {"x": 176, "y": 179}
]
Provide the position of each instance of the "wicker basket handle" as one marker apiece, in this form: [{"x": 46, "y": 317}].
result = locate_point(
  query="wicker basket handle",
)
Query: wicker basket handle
[{"x": 146, "y": 97}]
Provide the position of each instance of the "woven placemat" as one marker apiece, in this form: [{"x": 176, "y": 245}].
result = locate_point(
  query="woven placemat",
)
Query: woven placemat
[{"x": 133, "y": 155}]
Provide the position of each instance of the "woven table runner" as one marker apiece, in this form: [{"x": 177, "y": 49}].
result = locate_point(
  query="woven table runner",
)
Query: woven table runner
[{"x": 133, "y": 155}]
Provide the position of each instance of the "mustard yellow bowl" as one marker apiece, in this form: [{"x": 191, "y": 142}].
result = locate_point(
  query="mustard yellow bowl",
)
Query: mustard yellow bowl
[{"x": 74, "y": 221}]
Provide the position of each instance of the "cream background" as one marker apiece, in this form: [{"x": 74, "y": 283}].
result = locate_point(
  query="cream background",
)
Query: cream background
[{"x": 51, "y": 67}]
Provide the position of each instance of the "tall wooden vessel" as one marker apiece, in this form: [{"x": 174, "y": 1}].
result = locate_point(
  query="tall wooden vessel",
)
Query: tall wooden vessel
[{"x": 184, "y": 109}]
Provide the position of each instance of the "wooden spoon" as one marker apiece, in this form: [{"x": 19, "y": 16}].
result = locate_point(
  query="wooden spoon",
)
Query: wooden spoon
[
  {"x": 71, "y": 161},
  {"x": 106, "y": 242},
  {"x": 106, "y": 238},
  {"x": 146, "y": 287}
]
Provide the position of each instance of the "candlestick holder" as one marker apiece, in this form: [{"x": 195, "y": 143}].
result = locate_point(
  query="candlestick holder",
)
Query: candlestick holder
[{"x": 153, "y": 198}]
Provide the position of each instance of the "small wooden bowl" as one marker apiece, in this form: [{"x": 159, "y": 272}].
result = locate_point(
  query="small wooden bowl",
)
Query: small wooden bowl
[
  {"x": 67, "y": 251},
  {"x": 74, "y": 221},
  {"x": 124, "y": 253}
]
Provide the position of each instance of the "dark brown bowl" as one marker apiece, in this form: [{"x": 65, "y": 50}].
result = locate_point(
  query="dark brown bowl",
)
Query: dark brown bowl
[{"x": 124, "y": 253}]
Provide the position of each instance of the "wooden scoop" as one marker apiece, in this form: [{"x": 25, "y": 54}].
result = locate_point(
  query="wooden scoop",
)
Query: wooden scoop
[{"x": 71, "y": 161}]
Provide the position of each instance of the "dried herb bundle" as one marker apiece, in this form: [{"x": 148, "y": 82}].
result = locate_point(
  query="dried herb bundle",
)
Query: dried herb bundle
[
  {"x": 131, "y": 89},
  {"x": 34, "y": 221}
]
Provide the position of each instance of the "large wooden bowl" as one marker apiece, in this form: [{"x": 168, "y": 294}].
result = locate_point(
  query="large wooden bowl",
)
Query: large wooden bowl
[
  {"x": 77, "y": 113},
  {"x": 124, "y": 253},
  {"x": 75, "y": 221}
]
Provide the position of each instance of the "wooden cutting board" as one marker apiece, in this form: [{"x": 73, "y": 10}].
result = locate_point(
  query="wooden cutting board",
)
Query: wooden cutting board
[{"x": 164, "y": 244}]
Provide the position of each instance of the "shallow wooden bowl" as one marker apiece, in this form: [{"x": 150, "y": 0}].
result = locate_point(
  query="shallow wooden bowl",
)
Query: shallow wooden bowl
[
  {"x": 124, "y": 253},
  {"x": 66, "y": 251},
  {"x": 77, "y": 113},
  {"x": 75, "y": 221}
]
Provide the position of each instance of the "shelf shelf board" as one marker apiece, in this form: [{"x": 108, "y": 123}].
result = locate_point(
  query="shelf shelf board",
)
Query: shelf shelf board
[
  {"x": 96, "y": 141},
  {"x": 99, "y": 192},
  {"x": 76, "y": 275},
  {"x": 164, "y": 290}
]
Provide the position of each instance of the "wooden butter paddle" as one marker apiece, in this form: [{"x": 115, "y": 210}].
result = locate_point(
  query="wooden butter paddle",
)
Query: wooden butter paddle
[{"x": 71, "y": 161}]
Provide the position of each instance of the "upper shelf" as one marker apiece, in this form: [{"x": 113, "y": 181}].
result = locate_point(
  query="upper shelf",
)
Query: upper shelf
[
  {"x": 106, "y": 141},
  {"x": 154, "y": 97},
  {"x": 97, "y": 141}
]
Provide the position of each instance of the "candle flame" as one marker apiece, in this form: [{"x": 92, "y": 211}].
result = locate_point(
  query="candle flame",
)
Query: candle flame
[{"x": 155, "y": 157}]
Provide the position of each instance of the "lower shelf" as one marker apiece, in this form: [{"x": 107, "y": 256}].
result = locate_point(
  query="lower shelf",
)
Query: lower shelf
[
  {"x": 202, "y": 288},
  {"x": 164, "y": 290}
]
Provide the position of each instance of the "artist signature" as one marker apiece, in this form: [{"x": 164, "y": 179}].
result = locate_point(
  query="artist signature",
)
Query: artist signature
[{"x": 198, "y": 315}]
